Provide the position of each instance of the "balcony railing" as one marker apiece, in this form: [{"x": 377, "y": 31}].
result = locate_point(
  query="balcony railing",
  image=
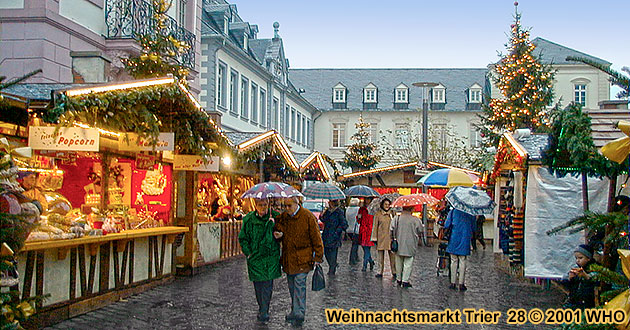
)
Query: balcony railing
[{"x": 130, "y": 18}]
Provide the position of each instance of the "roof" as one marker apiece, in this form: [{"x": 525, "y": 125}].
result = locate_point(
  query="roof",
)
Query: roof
[
  {"x": 239, "y": 137},
  {"x": 534, "y": 145},
  {"x": 553, "y": 53},
  {"x": 259, "y": 48},
  {"x": 300, "y": 157},
  {"x": 39, "y": 91},
  {"x": 603, "y": 129},
  {"x": 318, "y": 84}
]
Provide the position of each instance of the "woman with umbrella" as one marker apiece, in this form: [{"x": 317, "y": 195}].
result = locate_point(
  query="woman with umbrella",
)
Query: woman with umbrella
[
  {"x": 364, "y": 219},
  {"x": 382, "y": 236},
  {"x": 334, "y": 219}
]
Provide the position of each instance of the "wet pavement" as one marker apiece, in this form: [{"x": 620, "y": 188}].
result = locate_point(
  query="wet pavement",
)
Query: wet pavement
[{"x": 223, "y": 298}]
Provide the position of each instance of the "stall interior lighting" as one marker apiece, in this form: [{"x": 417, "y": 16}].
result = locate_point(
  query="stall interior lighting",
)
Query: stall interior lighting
[
  {"x": 102, "y": 131},
  {"x": 376, "y": 170},
  {"x": 40, "y": 170},
  {"x": 135, "y": 84},
  {"x": 320, "y": 162}
]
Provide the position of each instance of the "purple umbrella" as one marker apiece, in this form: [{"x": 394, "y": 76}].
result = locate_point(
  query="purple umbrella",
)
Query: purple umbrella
[{"x": 271, "y": 190}]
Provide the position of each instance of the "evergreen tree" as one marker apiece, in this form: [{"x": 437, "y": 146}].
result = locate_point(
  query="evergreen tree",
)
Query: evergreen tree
[
  {"x": 361, "y": 154},
  {"x": 160, "y": 51},
  {"x": 526, "y": 88}
]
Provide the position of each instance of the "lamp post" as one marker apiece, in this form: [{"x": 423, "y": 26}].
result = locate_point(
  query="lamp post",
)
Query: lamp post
[{"x": 425, "y": 146}]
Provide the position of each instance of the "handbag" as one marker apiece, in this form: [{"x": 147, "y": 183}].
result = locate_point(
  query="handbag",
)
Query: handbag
[
  {"x": 319, "y": 282},
  {"x": 394, "y": 244}
]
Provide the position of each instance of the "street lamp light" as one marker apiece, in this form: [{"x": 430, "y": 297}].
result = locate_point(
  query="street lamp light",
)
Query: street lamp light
[{"x": 425, "y": 137}]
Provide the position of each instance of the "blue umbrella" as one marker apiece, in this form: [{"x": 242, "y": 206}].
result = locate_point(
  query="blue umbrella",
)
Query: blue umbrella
[
  {"x": 471, "y": 201},
  {"x": 361, "y": 191},
  {"x": 323, "y": 190}
]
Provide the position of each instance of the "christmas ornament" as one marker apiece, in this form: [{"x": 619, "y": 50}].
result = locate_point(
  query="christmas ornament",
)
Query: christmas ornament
[{"x": 154, "y": 182}]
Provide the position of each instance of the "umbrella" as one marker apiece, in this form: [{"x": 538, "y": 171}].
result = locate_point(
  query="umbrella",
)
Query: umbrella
[
  {"x": 414, "y": 199},
  {"x": 323, "y": 190},
  {"x": 471, "y": 201},
  {"x": 361, "y": 191},
  {"x": 376, "y": 203},
  {"x": 449, "y": 177},
  {"x": 271, "y": 190}
]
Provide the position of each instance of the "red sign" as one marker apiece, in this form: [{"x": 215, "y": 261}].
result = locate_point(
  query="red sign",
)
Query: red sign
[{"x": 145, "y": 161}]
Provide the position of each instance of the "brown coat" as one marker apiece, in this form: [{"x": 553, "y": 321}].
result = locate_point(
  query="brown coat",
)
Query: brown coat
[
  {"x": 380, "y": 230},
  {"x": 301, "y": 241}
]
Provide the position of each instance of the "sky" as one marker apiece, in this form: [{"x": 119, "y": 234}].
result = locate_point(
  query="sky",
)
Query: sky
[{"x": 434, "y": 34}]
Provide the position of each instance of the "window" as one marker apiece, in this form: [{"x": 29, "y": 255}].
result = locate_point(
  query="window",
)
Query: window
[
  {"x": 244, "y": 97},
  {"x": 245, "y": 41},
  {"x": 298, "y": 127},
  {"x": 293, "y": 124},
  {"x": 475, "y": 137},
  {"x": 580, "y": 94},
  {"x": 233, "y": 91},
  {"x": 287, "y": 119},
  {"x": 402, "y": 136},
  {"x": 369, "y": 95},
  {"x": 225, "y": 25},
  {"x": 263, "y": 108},
  {"x": 373, "y": 132},
  {"x": 438, "y": 95},
  {"x": 254, "y": 98},
  {"x": 304, "y": 140},
  {"x": 401, "y": 95},
  {"x": 308, "y": 133},
  {"x": 221, "y": 84},
  {"x": 339, "y": 135},
  {"x": 182, "y": 12},
  {"x": 475, "y": 96},
  {"x": 441, "y": 135},
  {"x": 274, "y": 114},
  {"x": 340, "y": 95}
]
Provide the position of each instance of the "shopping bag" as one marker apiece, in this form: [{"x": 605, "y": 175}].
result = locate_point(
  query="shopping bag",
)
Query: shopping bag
[
  {"x": 319, "y": 282},
  {"x": 394, "y": 247}
]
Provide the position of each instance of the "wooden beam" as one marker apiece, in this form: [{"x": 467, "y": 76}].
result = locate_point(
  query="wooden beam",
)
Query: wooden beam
[{"x": 380, "y": 180}]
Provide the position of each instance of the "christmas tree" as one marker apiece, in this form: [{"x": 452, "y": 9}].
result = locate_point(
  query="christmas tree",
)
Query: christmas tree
[
  {"x": 360, "y": 155},
  {"x": 525, "y": 85},
  {"x": 160, "y": 50}
]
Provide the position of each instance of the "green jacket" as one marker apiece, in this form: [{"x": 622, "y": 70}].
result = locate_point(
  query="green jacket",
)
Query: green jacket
[{"x": 260, "y": 248}]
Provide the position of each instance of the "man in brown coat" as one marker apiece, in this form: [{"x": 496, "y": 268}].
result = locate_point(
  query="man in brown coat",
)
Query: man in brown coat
[{"x": 302, "y": 247}]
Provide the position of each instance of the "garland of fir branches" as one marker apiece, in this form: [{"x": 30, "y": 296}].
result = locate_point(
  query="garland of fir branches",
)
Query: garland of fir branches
[{"x": 146, "y": 111}]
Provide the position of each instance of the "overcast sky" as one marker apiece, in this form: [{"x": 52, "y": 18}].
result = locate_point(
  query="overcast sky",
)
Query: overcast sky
[{"x": 434, "y": 34}]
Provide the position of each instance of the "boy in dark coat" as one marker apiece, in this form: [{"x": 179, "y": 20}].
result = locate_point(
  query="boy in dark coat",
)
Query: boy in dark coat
[{"x": 580, "y": 280}]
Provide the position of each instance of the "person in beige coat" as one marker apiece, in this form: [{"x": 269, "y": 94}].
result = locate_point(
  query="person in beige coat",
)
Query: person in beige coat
[
  {"x": 382, "y": 236},
  {"x": 407, "y": 230}
]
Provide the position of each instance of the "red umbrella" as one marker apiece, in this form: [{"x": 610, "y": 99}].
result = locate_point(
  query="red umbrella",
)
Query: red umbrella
[{"x": 414, "y": 199}]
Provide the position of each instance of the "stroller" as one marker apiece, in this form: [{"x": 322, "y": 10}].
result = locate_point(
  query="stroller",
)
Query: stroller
[{"x": 443, "y": 264}]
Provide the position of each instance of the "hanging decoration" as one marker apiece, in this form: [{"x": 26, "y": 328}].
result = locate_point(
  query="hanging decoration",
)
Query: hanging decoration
[{"x": 154, "y": 182}]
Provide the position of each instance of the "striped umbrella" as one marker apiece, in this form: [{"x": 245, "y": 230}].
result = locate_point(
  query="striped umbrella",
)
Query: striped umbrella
[
  {"x": 414, "y": 200},
  {"x": 471, "y": 201},
  {"x": 323, "y": 190},
  {"x": 449, "y": 177},
  {"x": 361, "y": 191},
  {"x": 271, "y": 190}
]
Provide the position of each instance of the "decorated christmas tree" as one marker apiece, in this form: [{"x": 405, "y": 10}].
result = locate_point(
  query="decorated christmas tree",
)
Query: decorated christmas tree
[
  {"x": 160, "y": 51},
  {"x": 526, "y": 89},
  {"x": 360, "y": 155}
]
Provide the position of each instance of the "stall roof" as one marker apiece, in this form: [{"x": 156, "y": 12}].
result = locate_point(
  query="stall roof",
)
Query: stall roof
[
  {"x": 397, "y": 167},
  {"x": 239, "y": 137},
  {"x": 534, "y": 145},
  {"x": 254, "y": 139},
  {"x": 315, "y": 157}
]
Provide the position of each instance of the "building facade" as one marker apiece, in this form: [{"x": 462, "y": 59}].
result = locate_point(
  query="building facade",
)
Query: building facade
[
  {"x": 246, "y": 79},
  {"x": 82, "y": 41}
]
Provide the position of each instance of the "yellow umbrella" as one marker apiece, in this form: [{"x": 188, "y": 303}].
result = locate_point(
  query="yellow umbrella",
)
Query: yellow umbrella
[
  {"x": 622, "y": 301},
  {"x": 618, "y": 150}
]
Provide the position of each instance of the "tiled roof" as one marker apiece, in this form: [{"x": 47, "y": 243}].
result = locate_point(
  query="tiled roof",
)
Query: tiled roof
[
  {"x": 239, "y": 137},
  {"x": 603, "y": 124},
  {"x": 38, "y": 91},
  {"x": 552, "y": 53},
  {"x": 534, "y": 145},
  {"x": 259, "y": 48},
  {"x": 319, "y": 83},
  {"x": 300, "y": 157}
]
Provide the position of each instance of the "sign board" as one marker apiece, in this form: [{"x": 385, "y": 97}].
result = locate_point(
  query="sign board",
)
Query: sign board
[
  {"x": 195, "y": 163},
  {"x": 133, "y": 142},
  {"x": 65, "y": 139},
  {"x": 420, "y": 169},
  {"x": 145, "y": 162}
]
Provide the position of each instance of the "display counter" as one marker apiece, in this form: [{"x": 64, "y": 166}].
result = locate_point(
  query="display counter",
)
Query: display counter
[{"x": 87, "y": 273}]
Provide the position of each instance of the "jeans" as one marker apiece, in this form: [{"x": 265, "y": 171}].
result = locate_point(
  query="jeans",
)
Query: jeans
[
  {"x": 367, "y": 256},
  {"x": 263, "y": 289},
  {"x": 331, "y": 258},
  {"x": 403, "y": 267},
  {"x": 458, "y": 263},
  {"x": 354, "y": 251},
  {"x": 297, "y": 290}
]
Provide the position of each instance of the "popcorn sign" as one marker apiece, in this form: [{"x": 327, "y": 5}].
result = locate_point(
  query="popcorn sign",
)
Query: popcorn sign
[
  {"x": 195, "y": 163},
  {"x": 65, "y": 139}
]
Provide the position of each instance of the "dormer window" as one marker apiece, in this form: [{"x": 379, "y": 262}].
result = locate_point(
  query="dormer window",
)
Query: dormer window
[
  {"x": 401, "y": 97},
  {"x": 474, "y": 93},
  {"x": 369, "y": 94},
  {"x": 226, "y": 25},
  {"x": 438, "y": 95},
  {"x": 245, "y": 41},
  {"x": 339, "y": 96}
]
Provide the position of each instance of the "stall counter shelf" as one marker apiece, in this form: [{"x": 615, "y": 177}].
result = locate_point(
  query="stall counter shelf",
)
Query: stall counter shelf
[{"x": 99, "y": 270}]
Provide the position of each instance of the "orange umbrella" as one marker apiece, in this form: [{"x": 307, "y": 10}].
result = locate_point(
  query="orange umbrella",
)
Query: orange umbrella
[{"x": 414, "y": 199}]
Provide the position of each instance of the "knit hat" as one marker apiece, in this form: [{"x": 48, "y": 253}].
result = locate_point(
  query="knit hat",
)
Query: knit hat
[{"x": 586, "y": 250}]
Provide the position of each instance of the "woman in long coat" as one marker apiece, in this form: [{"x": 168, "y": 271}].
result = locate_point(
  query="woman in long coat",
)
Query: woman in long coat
[
  {"x": 382, "y": 235},
  {"x": 365, "y": 233},
  {"x": 406, "y": 229},
  {"x": 334, "y": 219}
]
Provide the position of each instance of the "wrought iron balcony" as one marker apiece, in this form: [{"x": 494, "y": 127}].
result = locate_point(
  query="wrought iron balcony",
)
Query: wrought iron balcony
[{"x": 130, "y": 18}]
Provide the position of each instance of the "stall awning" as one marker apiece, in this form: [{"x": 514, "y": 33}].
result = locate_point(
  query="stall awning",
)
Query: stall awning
[{"x": 270, "y": 136}]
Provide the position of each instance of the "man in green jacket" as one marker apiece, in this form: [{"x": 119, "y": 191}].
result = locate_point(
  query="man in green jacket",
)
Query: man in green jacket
[{"x": 262, "y": 252}]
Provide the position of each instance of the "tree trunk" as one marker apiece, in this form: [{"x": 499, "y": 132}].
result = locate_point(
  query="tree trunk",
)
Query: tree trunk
[
  {"x": 609, "y": 259},
  {"x": 585, "y": 192}
]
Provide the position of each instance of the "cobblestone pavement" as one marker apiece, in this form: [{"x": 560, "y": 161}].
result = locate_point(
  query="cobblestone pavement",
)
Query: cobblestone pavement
[{"x": 223, "y": 298}]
